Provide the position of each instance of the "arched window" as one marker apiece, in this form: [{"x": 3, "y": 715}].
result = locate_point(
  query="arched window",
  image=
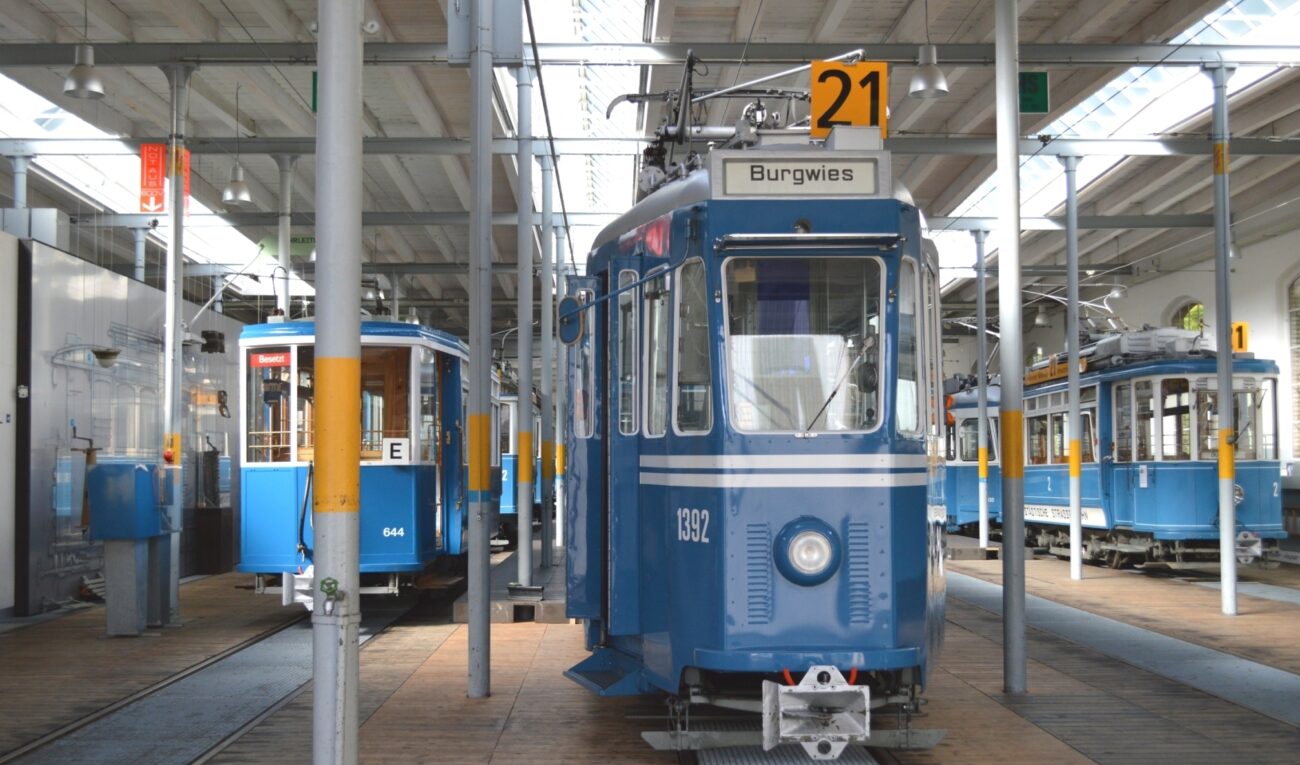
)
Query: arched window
[{"x": 1190, "y": 315}]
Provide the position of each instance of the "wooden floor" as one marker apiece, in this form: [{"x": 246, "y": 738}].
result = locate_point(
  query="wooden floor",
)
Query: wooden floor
[{"x": 59, "y": 671}]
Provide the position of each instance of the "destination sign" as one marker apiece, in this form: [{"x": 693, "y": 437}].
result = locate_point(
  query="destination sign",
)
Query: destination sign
[
  {"x": 1093, "y": 517},
  {"x": 816, "y": 175}
]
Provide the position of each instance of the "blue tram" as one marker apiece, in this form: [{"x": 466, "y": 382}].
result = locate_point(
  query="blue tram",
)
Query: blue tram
[
  {"x": 414, "y": 507},
  {"x": 508, "y": 446},
  {"x": 754, "y": 427},
  {"x": 1150, "y": 451},
  {"x": 961, "y": 476}
]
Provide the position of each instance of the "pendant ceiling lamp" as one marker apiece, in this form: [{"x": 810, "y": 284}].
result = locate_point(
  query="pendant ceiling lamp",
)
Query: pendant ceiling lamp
[
  {"x": 237, "y": 193},
  {"x": 83, "y": 81},
  {"x": 928, "y": 82}
]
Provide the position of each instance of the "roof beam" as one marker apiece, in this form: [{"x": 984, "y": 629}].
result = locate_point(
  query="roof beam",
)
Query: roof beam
[
  {"x": 301, "y": 218},
  {"x": 642, "y": 54}
]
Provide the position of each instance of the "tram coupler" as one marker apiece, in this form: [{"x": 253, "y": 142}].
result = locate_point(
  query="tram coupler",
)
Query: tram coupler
[{"x": 823, "y": 713}]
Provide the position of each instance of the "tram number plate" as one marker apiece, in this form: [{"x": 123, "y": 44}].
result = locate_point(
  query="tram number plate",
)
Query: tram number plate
[
  {"x": 394, "y": 531},
  {"x": 692, "y": 525}
]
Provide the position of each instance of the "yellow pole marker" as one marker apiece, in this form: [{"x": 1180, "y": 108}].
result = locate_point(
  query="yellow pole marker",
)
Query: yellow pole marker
[
  {"x": 1227, "y": 465},
  {"x": 337, "y": 475},
  {"x": 1076, "y": 458},
  {"x": 1013, "y": 449},
  {"x": 984, "y": 462},
  {"x": 548, "y": 460},
  {"x": 1220, "y": 158},
  {"x": 525, "y": 454},
  {"x": 480, "y": 429}
]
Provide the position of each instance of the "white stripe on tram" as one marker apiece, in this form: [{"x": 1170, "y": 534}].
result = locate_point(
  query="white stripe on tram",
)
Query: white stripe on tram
[
  {"x": 782, "y": 461},
  {"x": 784, "y": 480}
]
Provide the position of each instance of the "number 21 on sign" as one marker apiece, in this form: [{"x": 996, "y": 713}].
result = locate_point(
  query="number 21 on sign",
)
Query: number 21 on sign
[{"x": 849, "y": 94}]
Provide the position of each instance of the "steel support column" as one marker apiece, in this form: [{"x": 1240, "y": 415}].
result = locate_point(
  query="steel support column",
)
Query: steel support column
[
  {"x": 1223, "y": 337},
  {"x": 1010, "y": 354},
  {"x": 548, "y": 410},
  {"x": 480, "y": 330},
  {"x": 164, "y": 551},
  {"x": 561, "y": 399},
  {"x": 336, "y": 497},
  {"x": 524, "y": 340},
  {"x": 285, "y": 163},
  {"x": 139, "y": 234},
  {"x": 548, "y": 249},
  {"x": 982, "y": 373},
  {"x": 1074, "y": 425},
  {"x": 19, "y": 163}
]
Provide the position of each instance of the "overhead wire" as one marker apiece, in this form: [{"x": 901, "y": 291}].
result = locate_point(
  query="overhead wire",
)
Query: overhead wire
[{"x": 550, "y": 134}]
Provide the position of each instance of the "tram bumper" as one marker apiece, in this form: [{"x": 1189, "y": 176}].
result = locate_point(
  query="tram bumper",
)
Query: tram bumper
[{"x": 823, "y": 713}]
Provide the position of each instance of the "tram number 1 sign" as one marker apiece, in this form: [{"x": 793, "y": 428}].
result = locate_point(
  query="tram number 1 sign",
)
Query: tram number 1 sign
[
  {"x": 1240, "y": 336},
  {"x": 849, "y": 94}
]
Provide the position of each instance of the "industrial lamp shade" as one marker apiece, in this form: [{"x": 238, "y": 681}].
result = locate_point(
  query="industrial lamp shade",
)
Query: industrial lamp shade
[
  {"x": 928, "y": 82},
  {"x": 83, "y": 81},
  {"x": 237, "y": 192},
  {"x": 1040, "y": 319}
]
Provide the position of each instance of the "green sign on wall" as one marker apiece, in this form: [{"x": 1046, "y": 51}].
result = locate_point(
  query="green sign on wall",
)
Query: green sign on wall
[{"x": 1033, "y": 93}]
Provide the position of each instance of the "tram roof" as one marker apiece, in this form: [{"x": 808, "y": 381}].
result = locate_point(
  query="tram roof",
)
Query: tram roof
[{"x": 369, "y": 329}]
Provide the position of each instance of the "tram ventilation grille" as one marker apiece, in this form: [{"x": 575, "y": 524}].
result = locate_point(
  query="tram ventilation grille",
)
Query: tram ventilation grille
[
  {"x": 758, "y": 573},
  {"x": 859, "y": 572}
]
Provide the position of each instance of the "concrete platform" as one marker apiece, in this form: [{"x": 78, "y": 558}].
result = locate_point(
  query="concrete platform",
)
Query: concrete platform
[
  {"x": 968, "y": 548},
  {"x": 507, "y": 610}
]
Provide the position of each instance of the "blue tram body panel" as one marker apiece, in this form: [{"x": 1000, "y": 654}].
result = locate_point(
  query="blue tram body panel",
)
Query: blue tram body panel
[
  {"x": 679, "y": 543},
  {"x": 411, "y": 511}
]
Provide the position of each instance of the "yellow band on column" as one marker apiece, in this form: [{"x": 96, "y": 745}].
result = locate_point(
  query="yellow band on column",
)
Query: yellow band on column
[
  {"x": 1227, "y": 465},
  {"x": 337, "y": 473},
  {"x": 1076, "y": 458},
  {"x": 1220, "y": 158},
  {"x": 560, "y": 458},
  {"x": 1013, "y": 449},
  {"x": 984, "y": 462},
  {"x": 480, "y": 473},
  {"x": 548, "y": 460},
  {"x": 525, "y": 470}
]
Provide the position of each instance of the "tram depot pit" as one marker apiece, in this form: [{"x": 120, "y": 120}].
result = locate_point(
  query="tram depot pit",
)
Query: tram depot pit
[{"x": 1124, "y": 667}]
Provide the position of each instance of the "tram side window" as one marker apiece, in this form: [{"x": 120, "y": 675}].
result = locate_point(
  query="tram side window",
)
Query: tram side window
[
  {"x": 584, "y": 388},
  {"x": 268, "y": 405},
  {"x": 627, "y": 354},
  {"x": 306, "y": 403},
  {"x": 1253, "y": 418},
  {"x": 969, "y": 440},
  {"x": 907, "y": 416},
  {"x": 1088, "y": 417},
  {"x": 1267, "y": 421},
  {"x": 1145, "y": 422},
  {"x": 1037, "y": 441},
  {"x": 1176, "y": 419},
  {"x": 1060, "y": 437},
  {"x": 505, "y": 424},
  {"x": 694, "y": 375},
  {"x": 656, "y": 350},
  {"x": 430, "y": 407},
  {"x": 1123, "y": 423},
  {"x": 385, "y": 397}
]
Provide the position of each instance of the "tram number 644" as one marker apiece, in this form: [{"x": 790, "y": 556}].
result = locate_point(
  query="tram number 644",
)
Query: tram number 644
[{"x": 692, "y": 525}]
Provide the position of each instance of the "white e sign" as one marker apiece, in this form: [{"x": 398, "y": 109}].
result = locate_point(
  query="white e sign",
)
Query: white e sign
[{"x": 397, "y": 451}]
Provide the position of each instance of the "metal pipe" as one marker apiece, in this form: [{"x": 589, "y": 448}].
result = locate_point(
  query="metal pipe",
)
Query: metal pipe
[
  {"x": 285, "y": 162},
  {"x": 1223, "y": 336},
  {"x": 480, "y": 329},
  {"x": 1011, "y": 354},
  {"x": 1074, "y": 420},
  {"x": 548, "y": 252},
  {"x": 19, "y": 162},
  {"x": 336, "y": 497},
  {"x": 139, "y": 234},
  {"x": 561, "y": 398},
  {"x": 548, "y": 413},
  {"x": 982, "y": 372},
  {"x": 165, "y": 551},
  {"x": 853, "y": 54},
  {"x": 524, "y": 342},
  {"x": 218, "y": 287}
]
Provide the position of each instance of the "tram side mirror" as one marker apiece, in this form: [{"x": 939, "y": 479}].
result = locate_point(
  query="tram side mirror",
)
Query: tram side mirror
[{"x": 570, "y": 323}]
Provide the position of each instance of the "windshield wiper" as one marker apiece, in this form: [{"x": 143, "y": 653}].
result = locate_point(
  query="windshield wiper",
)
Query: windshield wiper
[{"x": 858, "y": 359}]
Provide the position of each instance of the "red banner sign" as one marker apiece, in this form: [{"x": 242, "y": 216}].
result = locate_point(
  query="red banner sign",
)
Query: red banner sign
[
  {"x": 259, "y": 360},
  {"x": 153, "y": 177}
]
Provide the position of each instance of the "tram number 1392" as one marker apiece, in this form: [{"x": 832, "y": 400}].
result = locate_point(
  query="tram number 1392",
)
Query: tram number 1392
[{"x": 692, "y": 525}]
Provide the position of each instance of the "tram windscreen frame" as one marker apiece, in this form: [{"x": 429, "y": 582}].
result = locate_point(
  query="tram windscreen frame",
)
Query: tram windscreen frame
[{"x": 803, "y": 346}]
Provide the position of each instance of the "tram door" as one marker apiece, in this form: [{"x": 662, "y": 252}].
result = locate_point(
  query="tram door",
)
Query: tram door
[{"x": 622, "y": 454}]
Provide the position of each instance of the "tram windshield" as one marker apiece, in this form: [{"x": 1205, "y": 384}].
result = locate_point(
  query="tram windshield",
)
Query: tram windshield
[{"x": 803, "y": 343}]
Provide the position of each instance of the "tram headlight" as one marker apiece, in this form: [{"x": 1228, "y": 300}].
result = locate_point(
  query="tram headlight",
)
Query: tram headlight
[
  {"x": 807, "y": 551},
  {"x": 1238, "y": 494}
]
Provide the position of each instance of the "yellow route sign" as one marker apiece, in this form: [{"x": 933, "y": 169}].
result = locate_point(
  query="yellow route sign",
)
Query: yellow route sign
[
  {"x": 1240, "y": 336},
  {"x": 849, "y": 94}
]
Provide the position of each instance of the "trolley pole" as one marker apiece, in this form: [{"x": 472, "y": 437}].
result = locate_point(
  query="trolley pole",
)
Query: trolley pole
[
  {"x": 285, "y": 162},
  {"x": 524, "y": 338},
  {"x": 165, "y": 550},
  {"x": 336, "y": 497},
  {"x": 1011, "y": 353},
  {"x": 480, "y": 329},
  {"x": 548, "y": 414},
  {"x": 1074, "y": 423},
  {"x": 1223, "y": 336},
  {"x": 982, "y": 371}
]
